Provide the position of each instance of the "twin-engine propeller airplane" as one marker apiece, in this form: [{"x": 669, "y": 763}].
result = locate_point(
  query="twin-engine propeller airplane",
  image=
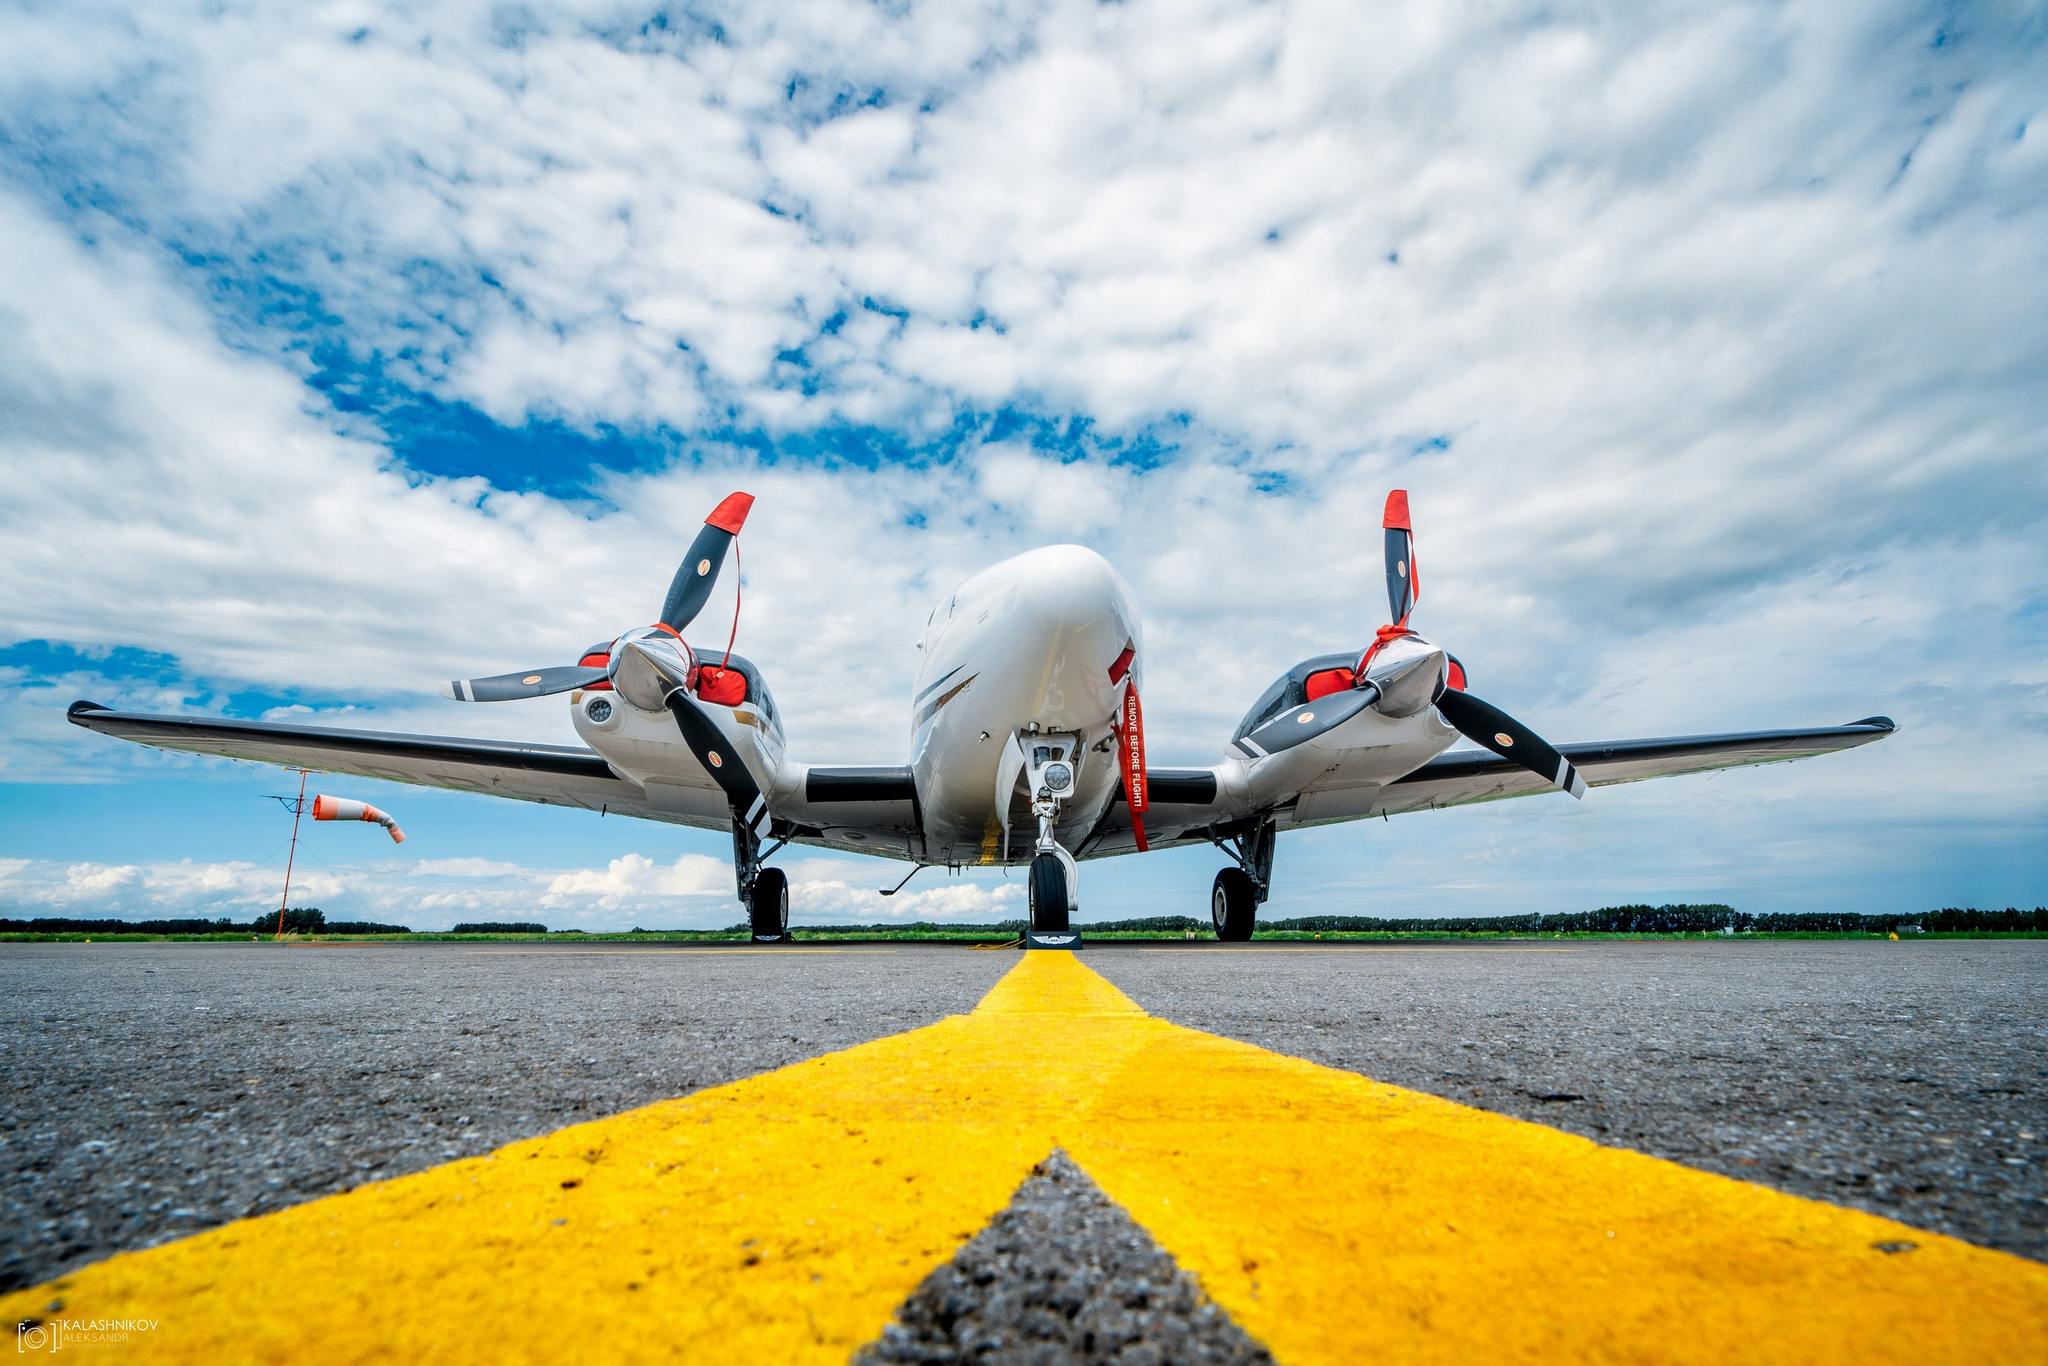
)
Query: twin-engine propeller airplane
[{"x": 1025, "y": 713}]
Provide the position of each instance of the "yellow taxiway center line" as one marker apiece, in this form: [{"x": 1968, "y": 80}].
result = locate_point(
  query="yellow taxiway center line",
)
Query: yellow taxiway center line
[{"x": 784, "y": 1217}]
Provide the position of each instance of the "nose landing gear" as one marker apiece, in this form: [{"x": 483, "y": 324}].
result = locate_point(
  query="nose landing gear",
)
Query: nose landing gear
[
  {"x": 1054, "y": 885},
  {"x": 1055, "y": 881}
]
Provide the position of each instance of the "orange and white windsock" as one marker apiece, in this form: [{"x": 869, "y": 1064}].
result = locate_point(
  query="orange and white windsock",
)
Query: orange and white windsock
[{"x": 342, "y": 809}]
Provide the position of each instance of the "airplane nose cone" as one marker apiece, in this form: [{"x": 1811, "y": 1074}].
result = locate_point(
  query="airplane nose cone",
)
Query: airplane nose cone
[
  {"x": 1071, "y": 592},
  {"x": 1408, "y": 671},
  {"x": 1056, "y": 570}
]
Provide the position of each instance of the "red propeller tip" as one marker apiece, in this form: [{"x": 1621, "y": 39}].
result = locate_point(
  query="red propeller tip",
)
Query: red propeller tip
[
  {"x": 731, "y": 514},
  {"x": 1397, "y": 511}
]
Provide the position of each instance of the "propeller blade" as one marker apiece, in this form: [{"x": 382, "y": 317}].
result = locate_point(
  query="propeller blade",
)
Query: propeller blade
[
  {"x": 1402, "y": 588},
  {"x": 709, "y": 744},
  {"x": 531, "y": 683},
  {"x": 691, "y": 587},
  {"x": 642, "y": 672},
  {"x": 1307, "y": 721},
  {"x": 1510, "y": 739}
]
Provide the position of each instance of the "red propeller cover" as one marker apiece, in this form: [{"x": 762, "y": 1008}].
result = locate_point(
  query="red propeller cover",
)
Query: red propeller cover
[{"x": 731, "y": 514}]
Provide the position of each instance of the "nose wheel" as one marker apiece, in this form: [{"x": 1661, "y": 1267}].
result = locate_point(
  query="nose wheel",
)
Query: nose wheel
[{"x": 1050, "y": 904}]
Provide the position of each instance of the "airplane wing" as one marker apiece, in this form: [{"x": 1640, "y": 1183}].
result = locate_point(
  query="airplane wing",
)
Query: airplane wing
[
  {"x": 1462, "y": 776},
  {"x": 552, "y": 775},
  {"x": 1196, "y": 804},
  {"x": 859, "y": 810}
]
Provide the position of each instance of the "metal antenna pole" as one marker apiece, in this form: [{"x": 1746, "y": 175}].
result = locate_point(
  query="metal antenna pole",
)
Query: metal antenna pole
[{"x": 298, "y": 810}]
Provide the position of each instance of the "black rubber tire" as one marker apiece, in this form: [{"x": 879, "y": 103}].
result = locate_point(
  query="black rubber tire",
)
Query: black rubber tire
[
  {"x": 1234, "y": 905},
  {"x": 1048, "y": 891},
  {"x": 768, "y": 910}
]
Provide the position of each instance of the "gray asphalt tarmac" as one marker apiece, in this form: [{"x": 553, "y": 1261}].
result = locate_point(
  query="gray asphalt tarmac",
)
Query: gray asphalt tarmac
[
  {"x": 1062, "y": 1275},
  {"x": 154, "y": 1090}
]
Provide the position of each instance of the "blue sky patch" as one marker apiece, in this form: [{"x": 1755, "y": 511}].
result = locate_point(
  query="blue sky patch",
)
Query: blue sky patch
[
  {"x": 454, "y": 440},
  {"x": 43, "y": 661},
  {"x": 451, "y": 439}
]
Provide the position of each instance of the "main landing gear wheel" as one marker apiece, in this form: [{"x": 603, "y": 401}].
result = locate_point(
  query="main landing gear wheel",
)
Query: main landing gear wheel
[
  {"x": 1048, "y": 893},
  {"x": 1233, "y": 905},
  {"x": 768, "y": 908}
]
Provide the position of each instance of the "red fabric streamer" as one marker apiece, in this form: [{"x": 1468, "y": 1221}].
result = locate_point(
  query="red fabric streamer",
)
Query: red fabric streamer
[{"x": 1131, "y": 750}]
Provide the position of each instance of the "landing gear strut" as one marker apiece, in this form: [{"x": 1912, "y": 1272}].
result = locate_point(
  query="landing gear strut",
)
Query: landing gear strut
[
  {"x": 1235, "y": 899},
  {"x": 763, "y": 891}
]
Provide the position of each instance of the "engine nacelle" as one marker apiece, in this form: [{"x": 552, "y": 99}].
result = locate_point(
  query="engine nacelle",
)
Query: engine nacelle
[{"x": 642, "y": 741}]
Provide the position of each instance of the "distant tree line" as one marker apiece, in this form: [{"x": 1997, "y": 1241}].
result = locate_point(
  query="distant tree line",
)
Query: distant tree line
[
  {"x": 1686, "y": 920},
  {"x": 2011, "y": 919},
  {"x": 499, "y": 927},
  {"x": 298, "y": 920},
  {"x": 1154, "y": 924}
]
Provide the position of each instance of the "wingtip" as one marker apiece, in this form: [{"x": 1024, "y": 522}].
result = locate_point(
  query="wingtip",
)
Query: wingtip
[
  {"x": 1883, "y": 723},
  {"x": 80, "y": 708}
]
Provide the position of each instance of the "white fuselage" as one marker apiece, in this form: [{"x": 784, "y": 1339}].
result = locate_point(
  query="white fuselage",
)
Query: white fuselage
[{"x": 1031, "y": 642}]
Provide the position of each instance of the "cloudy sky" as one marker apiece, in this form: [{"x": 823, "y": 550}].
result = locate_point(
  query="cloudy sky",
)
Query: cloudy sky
[{"x": 349, "y": 347}]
